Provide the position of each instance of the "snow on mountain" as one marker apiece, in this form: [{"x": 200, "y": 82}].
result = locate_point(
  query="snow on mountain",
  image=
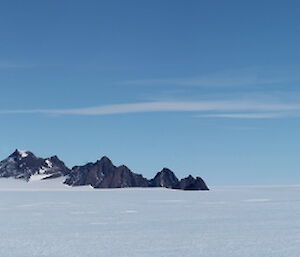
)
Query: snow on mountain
[
  {"x": 24, "y": 164},
  {"x": 22, "y": 153}
]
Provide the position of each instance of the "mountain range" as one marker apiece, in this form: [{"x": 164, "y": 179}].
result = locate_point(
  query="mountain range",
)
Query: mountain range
[{"x": 100, "y": 174}]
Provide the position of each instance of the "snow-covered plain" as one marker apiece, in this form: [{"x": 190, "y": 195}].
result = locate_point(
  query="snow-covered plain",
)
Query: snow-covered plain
[{"x": 224, "y": 222}]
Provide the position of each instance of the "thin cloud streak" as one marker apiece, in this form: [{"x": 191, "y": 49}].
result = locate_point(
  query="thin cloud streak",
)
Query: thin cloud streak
[
  {"x": 244, "y": 115},
  {"x": 254, "y": 77},
  {"x": 175, "y": 106},
  {"x": 206, "y": 82}
]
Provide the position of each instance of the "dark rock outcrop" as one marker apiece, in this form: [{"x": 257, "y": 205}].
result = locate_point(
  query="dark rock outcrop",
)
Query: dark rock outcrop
[
  {"x": 24, "y": 164},
  {"x": 191, "y": 183},
  {"x": 164, "y": 178},
  {"x": 103, "y": 174}
]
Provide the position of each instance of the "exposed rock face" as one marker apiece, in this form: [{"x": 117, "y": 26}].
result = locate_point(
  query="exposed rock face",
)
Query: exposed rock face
[
  {"x": 24, "y": 165},
  {"x": 164, "y": 178},
  {"x": 103, "y": 174},
  {"x": 57, "y": 167},
  {"x": 191, "y": 183}
]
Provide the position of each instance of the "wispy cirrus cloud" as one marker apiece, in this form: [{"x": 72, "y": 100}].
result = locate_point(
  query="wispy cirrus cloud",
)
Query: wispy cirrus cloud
[
  {"x": 255, "y": 76},
  {"x": 206, "y": 81},
  {"x": 216, "y": 109},
  {"x": 271, "y": 115}
]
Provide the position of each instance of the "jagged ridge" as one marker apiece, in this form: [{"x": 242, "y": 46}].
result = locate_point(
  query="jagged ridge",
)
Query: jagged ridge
[{"x": 101, "y": 174}]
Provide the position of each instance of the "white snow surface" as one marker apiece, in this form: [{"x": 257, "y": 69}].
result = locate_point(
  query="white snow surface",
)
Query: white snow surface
[
  {"x": 59, "y": 221},
  {"x": 40, "y": 176},
  {"x": 37, "y": 184},
  {"x": 49, "y": 163},
  {"x": 42, "y": 170},
  {"x": 23, "y": 153}
]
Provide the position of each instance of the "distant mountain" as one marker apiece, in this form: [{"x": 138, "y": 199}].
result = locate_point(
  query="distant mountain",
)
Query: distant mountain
[
  {"x": 101, "y": 174},
  {"x": 164, "y": 178},
  {"x": 191, "y": 183},
  {"x": 25, "y": 165},
  {"x": 167, "y": 178}
]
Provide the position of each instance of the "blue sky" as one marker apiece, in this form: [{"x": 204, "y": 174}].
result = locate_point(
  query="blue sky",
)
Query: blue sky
[{"x": 209, "y": 88}]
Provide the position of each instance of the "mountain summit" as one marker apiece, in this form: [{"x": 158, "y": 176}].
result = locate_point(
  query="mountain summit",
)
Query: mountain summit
[
  {"x": 103, "y": 174},
  {"x": 164, "y": 178},
  {"x": 25, "y": 165}
]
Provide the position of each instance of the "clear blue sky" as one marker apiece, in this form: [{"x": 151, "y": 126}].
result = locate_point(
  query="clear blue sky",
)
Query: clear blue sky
[{"x": 209, "y": 88}]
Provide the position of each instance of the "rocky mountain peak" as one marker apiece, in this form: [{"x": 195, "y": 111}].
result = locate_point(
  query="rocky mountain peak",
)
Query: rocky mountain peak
[
  {"x": 103, "y": 174},
  {"x": 105, "y": 159},
  {"x": 105, "y": 162},
  {"x": 190, "y": 178},
  {"x": 24, "y": 165},
  {"x": 54, "y": 158},
  {"x": 164, "y": 178},
  {"x": 20, "y": 154},
  {"x": 191, "y": 183},
  {"x": 166, "y": 170}
]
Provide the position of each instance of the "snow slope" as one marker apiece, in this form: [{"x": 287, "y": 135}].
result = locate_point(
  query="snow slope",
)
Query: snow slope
[{"x": 36, "y": 183}]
